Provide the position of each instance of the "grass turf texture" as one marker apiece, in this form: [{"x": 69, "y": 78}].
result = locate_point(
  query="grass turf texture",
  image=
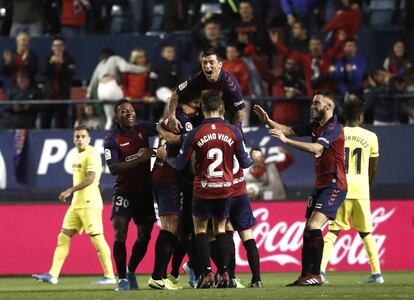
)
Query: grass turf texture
[{"x": 398, "y": 285}]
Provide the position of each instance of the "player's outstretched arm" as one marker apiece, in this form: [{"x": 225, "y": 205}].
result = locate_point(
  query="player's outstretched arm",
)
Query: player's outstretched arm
[
  {"x": 264, "y": 117},
  {"x": 239, "y": 117},
  {"x": 174, "y": 125},
  {"x": 90, "y": 176},
  {"x": 171, "y": 138},
  {"x": 314, "y": 148}
]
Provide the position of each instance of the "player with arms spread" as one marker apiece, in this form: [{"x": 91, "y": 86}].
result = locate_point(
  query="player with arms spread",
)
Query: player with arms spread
[
  {"x": 212, "y": 77},
  {"x": 127, "y": 154},
  {"x": 85, "y": 211},
  {"x": 327, "y": 146},
  {"x": 361, "y": 158},
  {"x": 215, "y": 142}
]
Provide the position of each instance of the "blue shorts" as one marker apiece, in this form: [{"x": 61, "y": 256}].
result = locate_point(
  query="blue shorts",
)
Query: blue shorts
[
  {"x": 241, "y": 214},
  {"x": 168, "y": 196},
  {"x": 325, "y": 200},
  {"x": 134, "y": 205},
  {"x": 207, "y": 208}
]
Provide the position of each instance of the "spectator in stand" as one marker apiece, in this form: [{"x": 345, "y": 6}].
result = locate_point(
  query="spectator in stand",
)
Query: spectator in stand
[
  {"x": 250, "y": 33},
  {"x": 175, "y": 15},
  {"x": 24, "y": 115},
  {"x": 315, "y": 64},
  {"x": 73, "y": 18},
  {"x": 165, "y": 75},
  {"x": 59, "y": 71},
  {"x": 27, "y": 17},
  {"x": 88, "y": 118},
  {"x": 347, "y": 20},
  {"x": 299, "y": 40},
  {"x": 20, "y": 58},
  {"x": 223, "y": 10},
  {"x": 303, "y": 10},
  {"x": 379, "y": 98},
  {"x": 237, "y": 67},
  {"x": 209, "y": 37},
  {"x": 135, "y": 85},
  {"x": 105, "y": 81},
  {"x": 349, "y": 71},
  {"x": 397, "y": 62},
  {"x": 289, "y": 111}
]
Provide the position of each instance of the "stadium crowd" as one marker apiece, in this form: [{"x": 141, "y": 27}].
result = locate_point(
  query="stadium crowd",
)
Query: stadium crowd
[{"x": 279, "y": 49}]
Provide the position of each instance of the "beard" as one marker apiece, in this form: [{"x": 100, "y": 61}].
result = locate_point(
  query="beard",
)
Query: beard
[{"x": 320, "y": 114}]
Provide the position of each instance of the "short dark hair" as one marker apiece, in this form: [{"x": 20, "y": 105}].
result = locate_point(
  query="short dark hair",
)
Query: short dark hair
[
  {"x": 119, "y": 103},
  {"x": 211, "y": 51},
  {"x": 326, "y": 93},
  {"x": 350, "y": 40},
  {"x": 82, "y": 127},
  {"x": 353, "y": 107},
  {"x": 212, "y": 101},
  {"x": 58, "y": 38}
]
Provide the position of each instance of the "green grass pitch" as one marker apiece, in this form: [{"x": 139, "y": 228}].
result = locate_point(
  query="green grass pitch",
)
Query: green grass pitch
[{"x": 398, "y": 285}]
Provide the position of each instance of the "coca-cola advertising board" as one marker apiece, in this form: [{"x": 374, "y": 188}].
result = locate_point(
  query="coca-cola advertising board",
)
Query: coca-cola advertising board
[{"x": 29, "y": 235}]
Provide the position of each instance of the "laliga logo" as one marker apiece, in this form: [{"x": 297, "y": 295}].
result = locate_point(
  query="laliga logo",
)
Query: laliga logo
[{"x": 281, "y": 242}]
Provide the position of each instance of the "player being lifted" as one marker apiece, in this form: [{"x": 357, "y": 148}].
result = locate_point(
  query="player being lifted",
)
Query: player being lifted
[
  {"x": 361, "y": 156},
  {"x": 327, "y": 146},
  {"x": 215, "y": 142},
  {"x": 127, "y": 154},
  {"x": 85, "y": 211}
]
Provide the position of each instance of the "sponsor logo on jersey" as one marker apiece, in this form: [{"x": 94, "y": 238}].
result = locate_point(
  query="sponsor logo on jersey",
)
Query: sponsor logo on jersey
[
  {"x": 239, "y": 103},
  {"x": 323, "y": 140}
]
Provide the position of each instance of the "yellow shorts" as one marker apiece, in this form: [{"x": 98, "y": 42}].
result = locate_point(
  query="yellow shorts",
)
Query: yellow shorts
[
  {"x": 354, "y": 214},
  {"x": 79, "y": 219}
]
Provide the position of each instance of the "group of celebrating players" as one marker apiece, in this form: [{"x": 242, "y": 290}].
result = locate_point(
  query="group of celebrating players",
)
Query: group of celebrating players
[{"x": 198, "y": 183}]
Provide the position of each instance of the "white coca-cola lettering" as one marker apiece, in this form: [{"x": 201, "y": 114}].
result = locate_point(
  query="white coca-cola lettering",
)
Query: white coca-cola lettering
[{"x": 281, "y": 242}]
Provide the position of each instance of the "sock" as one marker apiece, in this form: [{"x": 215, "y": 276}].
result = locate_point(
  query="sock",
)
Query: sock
[
  {"x": 138, "y": 252},
  {"x": 164, "y": 248},
  {"x": 215, "y": 254},
  {"x": 203, "y": 250},
  {"x": 372, "y": 253},
  {"x": 232, "y": 255},
  {"x": 120, "y": 258},
  {"x": 61, "y": 252},
  {"x": 306, "y": 254},
  {"x": 253, "y": 259},
  {"x": 193, "y": 257},
  {"x": 224, "y": 251},
  {"x": 104, "y": 254},
  {"x": 177, "y": 258},
  {"x": 328, "y": 243},
  {"x": 316, "y": 246}
]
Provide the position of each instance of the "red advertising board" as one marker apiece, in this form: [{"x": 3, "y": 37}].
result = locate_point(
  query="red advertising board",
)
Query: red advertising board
[{"x": 29, "y": 232}]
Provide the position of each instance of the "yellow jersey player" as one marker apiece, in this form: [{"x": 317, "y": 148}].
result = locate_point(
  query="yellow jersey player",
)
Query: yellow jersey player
[
  {"x": 85, "y": 212},
  {"x": 361, "y": 156}
]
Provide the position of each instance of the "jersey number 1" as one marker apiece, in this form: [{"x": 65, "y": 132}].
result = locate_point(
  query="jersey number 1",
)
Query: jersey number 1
[{"x": 356, "y": 152}]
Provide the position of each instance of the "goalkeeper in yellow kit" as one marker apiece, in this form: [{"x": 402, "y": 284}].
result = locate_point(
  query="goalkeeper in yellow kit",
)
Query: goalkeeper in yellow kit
[
  {"x": 361, "y": 156},
  {"x": 85, "y": 212}
]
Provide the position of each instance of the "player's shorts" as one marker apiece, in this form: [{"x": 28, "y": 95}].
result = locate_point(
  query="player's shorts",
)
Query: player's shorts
[
  {"x": 168, "y": 196},
  {"x": 326, "y": 200},
  {"x": 241, "y": 214},
  {"x": 207, "y": 208},
  {"x": 79, "y": 219},
  {"x": 359, "y": 211},
  {"x": 136, "y": 205}
]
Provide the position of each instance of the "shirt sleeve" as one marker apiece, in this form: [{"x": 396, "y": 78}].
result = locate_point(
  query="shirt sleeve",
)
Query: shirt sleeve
[
  {"x": 233, "y": 92},
  {"x": 303, "y": 130},
  {"x": 151, "y": 127},
  {"x": 329, "y": 135},
  {"x": 241, "y": 153},
  {"x": 374, "y": 146},
  {"x": 111, "y": 151},
  {"x": 187, "y": 87},
  {"x": 184, "y": 155}
]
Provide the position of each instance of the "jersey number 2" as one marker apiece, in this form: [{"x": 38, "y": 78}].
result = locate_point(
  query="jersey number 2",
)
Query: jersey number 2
[
  {"x": 217, "y": 155},
  {"x": 356, "y": 152}
]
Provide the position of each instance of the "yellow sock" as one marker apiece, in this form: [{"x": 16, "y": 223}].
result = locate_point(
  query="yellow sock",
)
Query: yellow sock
[
  {"x": 61, "y": 252},
  {"x": 104, "y": 254},
  {"x": 328, "y": 243},
  {"x": 372, "y": 253}
]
